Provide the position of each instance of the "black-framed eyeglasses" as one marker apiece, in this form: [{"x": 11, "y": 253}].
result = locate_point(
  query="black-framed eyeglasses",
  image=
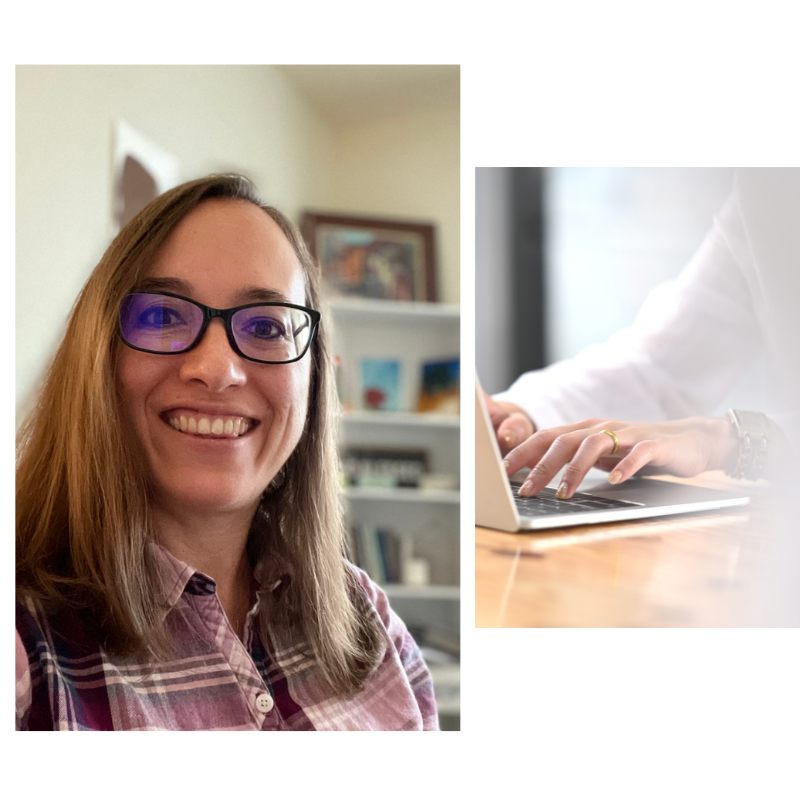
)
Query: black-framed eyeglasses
[{"x": 166, "y": 323}]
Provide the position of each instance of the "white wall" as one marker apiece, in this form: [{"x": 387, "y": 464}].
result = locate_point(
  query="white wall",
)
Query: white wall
[
  {"x": 405, "y": 166},
  {"x": 248, "y": 119},
  {"x": 612, "y": 235}
]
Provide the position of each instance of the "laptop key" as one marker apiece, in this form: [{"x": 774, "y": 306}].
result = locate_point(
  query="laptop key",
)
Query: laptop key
[{"x": 545, "y": 502}]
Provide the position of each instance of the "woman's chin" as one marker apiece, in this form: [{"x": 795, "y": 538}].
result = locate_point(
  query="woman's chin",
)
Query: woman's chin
[{"x": 208, "y": 497}]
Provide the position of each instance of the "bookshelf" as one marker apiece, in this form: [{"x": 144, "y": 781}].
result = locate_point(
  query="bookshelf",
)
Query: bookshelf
[
  {"x": 401, "y": 591},
  {"x": 401, "y": 495},
  {"x": 424, "y": 521}
]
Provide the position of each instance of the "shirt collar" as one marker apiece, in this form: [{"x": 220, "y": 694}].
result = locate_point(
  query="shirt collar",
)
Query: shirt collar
[{"x": 178, "y": 577}]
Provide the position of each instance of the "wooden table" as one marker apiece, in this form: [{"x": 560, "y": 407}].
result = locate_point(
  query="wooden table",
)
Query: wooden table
[{"x": 693, "y": 570}]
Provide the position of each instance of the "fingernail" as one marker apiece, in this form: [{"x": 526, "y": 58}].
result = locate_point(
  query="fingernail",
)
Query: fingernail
[
  {"x": 506, "y": 464},
  {"x": 614, "y": 477},
  {"x": 525, "y": 489},
  {"x": 561, "y": 494},
  {"x": 508, "y": 437}
]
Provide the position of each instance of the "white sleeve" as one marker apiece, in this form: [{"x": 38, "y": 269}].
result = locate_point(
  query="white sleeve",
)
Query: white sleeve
[{"x": 691, "y": 340}]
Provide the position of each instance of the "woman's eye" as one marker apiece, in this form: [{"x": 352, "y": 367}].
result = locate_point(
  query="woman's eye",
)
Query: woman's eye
[
  {"x": 265, "y": 329},
  {"x": 159, "y": 317}
]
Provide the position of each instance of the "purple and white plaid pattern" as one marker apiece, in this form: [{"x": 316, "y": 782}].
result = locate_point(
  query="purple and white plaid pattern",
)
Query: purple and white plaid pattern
[{"x": 65, "y": 681}]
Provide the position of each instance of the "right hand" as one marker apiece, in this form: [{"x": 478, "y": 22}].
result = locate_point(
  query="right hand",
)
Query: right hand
[
  {"x": 511, "y": 424},
  {"x": 684, "y": 447}
]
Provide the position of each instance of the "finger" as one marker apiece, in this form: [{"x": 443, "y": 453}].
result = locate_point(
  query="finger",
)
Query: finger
[
  {"x": 496, "y": 412},
  {"x": 640, "y": 455},
  {"x": 608, "y": 463},
  {"x": 514, "y": 429},
  {"x": 685, "y": 455},
  {"x": 528, "y": 453},
  {"x": 591, "y": 449},
  {"x": 559, "y": 453}
]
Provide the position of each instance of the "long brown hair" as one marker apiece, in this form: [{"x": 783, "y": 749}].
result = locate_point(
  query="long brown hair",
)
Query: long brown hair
[{"x": 83, "y": 519}]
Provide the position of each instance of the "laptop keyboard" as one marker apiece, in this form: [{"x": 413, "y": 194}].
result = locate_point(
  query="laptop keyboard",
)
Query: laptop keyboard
[{"x": 546, "y": 503}]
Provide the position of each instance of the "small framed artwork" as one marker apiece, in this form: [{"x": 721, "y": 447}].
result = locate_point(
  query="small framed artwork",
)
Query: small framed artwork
[
  {"x": 375, "y": 258},
  {"x": 380, "y": 384},
  {"x": 440, "y": 386}
]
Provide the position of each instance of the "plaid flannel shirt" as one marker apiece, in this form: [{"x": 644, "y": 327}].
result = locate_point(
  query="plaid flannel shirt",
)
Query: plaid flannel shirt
[{"x": 65, "y": 681}]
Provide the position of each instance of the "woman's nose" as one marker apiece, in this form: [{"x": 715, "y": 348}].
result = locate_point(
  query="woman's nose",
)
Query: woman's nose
[{"x": 212, "y": 361}]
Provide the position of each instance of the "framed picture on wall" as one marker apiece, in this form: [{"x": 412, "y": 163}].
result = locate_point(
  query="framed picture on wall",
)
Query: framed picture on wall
[{"x": 375, "y": 258}]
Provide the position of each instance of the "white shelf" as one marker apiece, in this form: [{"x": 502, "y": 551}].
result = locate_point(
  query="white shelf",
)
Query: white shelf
[
  {"x": 401, "y": 418},
  {"x": 446, "y": 687},
  {"x": 399, "y": 591},
  {"x": 413, "y": 334},
  {"x": 392, "y": 310},
  {"x": 402, "y": 495}
]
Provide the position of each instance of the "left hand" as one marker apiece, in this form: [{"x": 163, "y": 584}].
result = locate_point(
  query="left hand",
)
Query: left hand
[
  {"x": 684, "y": 447},
  {"x": 511, "y": 424}
]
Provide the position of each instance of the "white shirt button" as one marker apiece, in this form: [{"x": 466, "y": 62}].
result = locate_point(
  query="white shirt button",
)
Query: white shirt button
[{"x": 264, "y": 702}]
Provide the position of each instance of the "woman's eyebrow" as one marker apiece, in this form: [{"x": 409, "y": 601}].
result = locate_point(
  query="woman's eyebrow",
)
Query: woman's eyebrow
[
  {"x": 249, "y": 294},
  {"x": 176, "y": 285},
  {"x": 260, "y": 294}
]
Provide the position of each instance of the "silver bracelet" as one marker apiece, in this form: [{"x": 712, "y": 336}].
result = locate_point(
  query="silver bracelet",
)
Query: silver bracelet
[{"x": 752, "y": 430}]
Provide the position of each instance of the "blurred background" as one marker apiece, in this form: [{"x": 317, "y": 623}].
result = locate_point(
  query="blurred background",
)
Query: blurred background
[
  {"x": 566, "y": 256},
  {"x": 371, "y": 152}
]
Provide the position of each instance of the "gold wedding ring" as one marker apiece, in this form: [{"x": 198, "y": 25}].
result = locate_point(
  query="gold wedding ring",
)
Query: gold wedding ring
[{"x": 616, "y": 441}]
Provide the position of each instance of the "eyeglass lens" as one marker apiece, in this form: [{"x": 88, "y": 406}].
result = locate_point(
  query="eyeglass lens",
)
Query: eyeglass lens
[{"x": 162, "y": 324}]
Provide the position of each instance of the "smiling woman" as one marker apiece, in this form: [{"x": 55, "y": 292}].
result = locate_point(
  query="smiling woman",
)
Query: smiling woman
[{"x": 179, "y": 524}]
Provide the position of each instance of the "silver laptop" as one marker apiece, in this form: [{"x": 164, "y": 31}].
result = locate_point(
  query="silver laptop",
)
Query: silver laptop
[{"x": 498, "y": 504}]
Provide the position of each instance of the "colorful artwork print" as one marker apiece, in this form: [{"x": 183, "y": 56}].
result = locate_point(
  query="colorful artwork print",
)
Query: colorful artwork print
[
  {"x": 440, "y": 387},
  {"x": 376, "y": 259},
  {"x": 386, "y": 265},
  {"x": 380, "y": 384}
]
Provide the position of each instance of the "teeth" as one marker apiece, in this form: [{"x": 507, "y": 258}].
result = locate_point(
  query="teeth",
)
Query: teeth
[{"x": 216, "y": 427}]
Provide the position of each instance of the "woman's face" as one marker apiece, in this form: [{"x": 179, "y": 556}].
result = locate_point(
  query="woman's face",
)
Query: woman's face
[{"x": 224, "y": 253}]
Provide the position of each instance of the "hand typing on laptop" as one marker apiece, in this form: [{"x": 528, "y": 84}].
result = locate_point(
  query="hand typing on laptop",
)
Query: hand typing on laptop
[
  {"x": 684, "y": 447},
  {"x": 498, "y": 503},
  {"x": 511, "y": 424}
]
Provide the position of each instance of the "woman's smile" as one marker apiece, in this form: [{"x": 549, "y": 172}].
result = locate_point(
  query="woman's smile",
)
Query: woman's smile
[
  {"x": 215, "y": 424},
  {"x": 214, "y": 427}
]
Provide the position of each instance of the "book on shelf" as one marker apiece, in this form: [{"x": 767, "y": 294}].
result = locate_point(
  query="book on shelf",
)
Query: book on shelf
[
  {"x": 382, "y": 554},
  {"x": 383, "y": 468}
]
